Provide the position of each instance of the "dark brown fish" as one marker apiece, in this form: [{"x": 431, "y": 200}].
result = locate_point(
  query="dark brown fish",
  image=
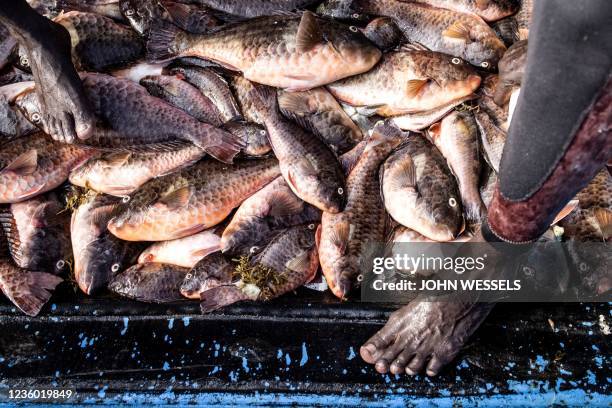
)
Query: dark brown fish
[
  {"x": 99, "y": 43},
  {"x": 460, "y": 34},
  {"x": 310, "y": 168},
  {"x": 256, "y": 8},
  {"x": 150, "y": 282},
  {"x": 420, "y": 192},
  {"x": 263, "y": 215},
  {"x": 38, "y": 234},
  {"x": 319, "y": 112},
  {"x": 212, "y": 271},
  {"x": 342, "y": 237},
  {"x": 383, "y": 32},
  {"x": 190, "y": 201},
  {"x": 34, "y": 164},
  {"x": 291, "y": 52},
  {"x": 214, "y": 87},
  {"x": 408, "y": 81},
  {"x": 131, "y": 119},
  {"x": 184, "y": 96},
  {"x": 456, "y": 136},
  {"x": 287, "y": 262},
  {"x": 27, "y": 290},
  {"x": 253, "y": 136},
  {"x": 98, "y": 255}
]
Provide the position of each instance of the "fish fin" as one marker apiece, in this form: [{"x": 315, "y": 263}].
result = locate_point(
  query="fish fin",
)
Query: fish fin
[
  {"x": 318, "y": 236},
  {"x": 264, "y": 100},
  {"x": 162, "y": 42},
  {"x": 309, "y": 33},
  {"x": 25, "y": 164},
  {"x": 293, "y": 103},
  {"x": 29, "y": 291},
  {"x": 300, "y": 263},
  {"x": 434, "y": 131},
  {"x": 291, "y": 180},
  {"x": 179, "y": 12},
  {"x": 47, "y": 214},
  {"x": 458, "y": 31},
  {"x": 101, "y": 215},
  {"x": 604, "y": 219},
  {"x": 370, "y": 110},
  {"x": 185, "y": 232},
  {"x": 339, "y": 235},
  {"x": 285, "y": 203},
  {"x": 30, "y": 193},
  {"x": 414, "y": 86},
  {"x": 565, "y": 211},
  {"x": 202, "y": 252},
  {"x": 406, "y": 177},
  {"x": 117, "y": 158},
  {"x": 219, "y": 297},
  {"x": 349, "y": 159},
  {"x": 225, "y": 148},
  {"x": 413, "y": 46},
  {"x": 177, "y": 199}
]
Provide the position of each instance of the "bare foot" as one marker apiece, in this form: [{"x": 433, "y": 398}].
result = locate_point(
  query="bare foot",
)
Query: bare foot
[
  {"x": 66, "y": 114},
  {"x": 423, "y": 334}
]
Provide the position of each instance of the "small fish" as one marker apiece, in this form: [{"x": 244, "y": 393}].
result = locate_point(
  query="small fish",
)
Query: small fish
[
  {"x": 129, "y": 119},
  {"x": 420, "y": 192},
  {"x": 253, "y": 136},
  {"x": 34, "y": 164},
  {"x": 287, "y": 262},
  {"x": 256, "y": 8},
  {"x": 185, "y": 252},
  {"x": 511, "y": 70},
  {"x": 214, "y": 87},
  {"x": 488, "y": 10},
  {"x": 310, "y": 168},
  {"x": 342, "y": 237},
  {"x": 456, "y": 136},
  {"x": 37, "y": 233},
  {"x": 263, "y": 215},
  {"x": 462, "y": 35},
  {"x": 291, "y": 52},
  {"x": 184, "y": 96},
  {"x": 408, "y": 81},
  {"x": 319, "y": 112},
  {"x": 492, "y": 139},
  {"x": 420, "y": 120},
  {"x": 150, "y": 282},
  {"x": 210, "y": 272},
  {"x": 191, "y": 200},
  {"x": 99, "y": 43},
  {"x": 383, "y": 33},
  {"x": 98, "y": 255},
  {"x": 27, "y": 290},
  {"x": 122, "y": 173}
]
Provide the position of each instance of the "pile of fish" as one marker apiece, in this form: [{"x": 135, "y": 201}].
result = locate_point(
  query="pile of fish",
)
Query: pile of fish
[{"x": 244, "y": 146}]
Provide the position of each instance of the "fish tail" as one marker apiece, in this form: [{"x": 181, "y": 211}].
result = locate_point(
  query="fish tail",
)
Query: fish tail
[
  {"x": 264, "y": 100},
  {"x": 29, "y": 291},
  {"x": 474, "y": 211},
  {"x": 385, "y": 134},
  {"x": 219, "y": 297},
  {"x": 163, "y": 43},
  {"x": 224, "y": 145}
]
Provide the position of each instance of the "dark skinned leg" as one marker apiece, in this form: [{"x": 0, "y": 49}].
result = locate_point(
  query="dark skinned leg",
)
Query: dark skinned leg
[
  {"x": 67, "y": 114},
  {"x": 430, "y": 334}
]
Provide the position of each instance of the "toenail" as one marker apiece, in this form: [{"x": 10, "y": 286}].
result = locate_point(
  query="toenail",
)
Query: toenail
[
  {"x": 431, "y": 373},
  {"x": 409, "y": 371}
]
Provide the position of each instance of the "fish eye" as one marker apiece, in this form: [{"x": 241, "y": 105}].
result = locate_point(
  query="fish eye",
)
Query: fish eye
[
  {"x": 262, "y": 132},
  {"x": 355, "y": 15},
  {"x": 115, "y": 267},
  {"x": 456, "y": 61},
  {"x": 253, "y": 249},
  {"x": 340, "y": 190},
  {"x": 360, "y": 277},
  {"x": 60, "y": 264},
  {"x": 36, "y": 117},
  {"x": 125, "y": 199},
  {"x": 485, "y": 64},
  {"x": 23, "y": 60},
  {"x": 311, "y": 226},
  {"x": 129, "y": 12},
  {"x": 528, "y": 271},
  {"x": 188, "y": 276},
  {"x": 353, "y": 29},
  {"x": 583, "y": 266},
  {"x": 452, "y": 202}
]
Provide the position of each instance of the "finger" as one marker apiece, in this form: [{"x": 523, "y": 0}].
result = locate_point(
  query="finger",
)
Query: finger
[{"x": 68, "y": 128}]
